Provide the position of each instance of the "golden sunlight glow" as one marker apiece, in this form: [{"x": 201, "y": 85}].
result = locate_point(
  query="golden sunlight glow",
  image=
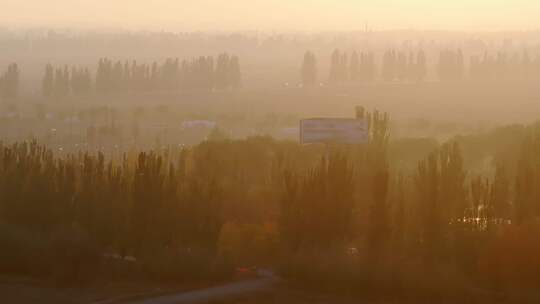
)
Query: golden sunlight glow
[{"x": 305, "y": 15}]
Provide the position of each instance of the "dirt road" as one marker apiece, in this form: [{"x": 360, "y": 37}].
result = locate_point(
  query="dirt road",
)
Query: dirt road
[{"x": 265, "y": 281}]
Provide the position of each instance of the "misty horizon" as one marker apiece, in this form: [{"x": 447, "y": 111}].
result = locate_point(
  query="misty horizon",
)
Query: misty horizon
[
  {"x": 269, "y": 151},
  {"x": 310, "y": 16}
]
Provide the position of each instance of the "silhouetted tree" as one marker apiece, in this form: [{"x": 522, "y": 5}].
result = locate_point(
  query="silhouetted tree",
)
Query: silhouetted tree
[
  {"x": 355, "y": 67},
  {"x": 316, "y": 210},
  {"x": 234, "y": 73},
  {"x": 9, "y": 82},
  {"x": 421, "y": 66},
  {"x": 335, "y": 66},
  {"x": 309, "y": 69},
  {"x": 48, "y": 81}
]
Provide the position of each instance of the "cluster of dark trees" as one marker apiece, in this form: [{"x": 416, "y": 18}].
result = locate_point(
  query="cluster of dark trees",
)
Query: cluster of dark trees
[
  {"x": 68, "y": 213},
  {"x": 359, "y": 67},
  {"x": 345, "y": 216},
  {"x": 413, "y": 66},
  {"x": 485, "y": 229},
  {"x": 309, "y": 69},
  {"x": 207, "y": 73},
  {"x": 484, "y": 67},
  {"x": 61, "y": 82},
  {"x": 319, "y": 204},
  {"x": 404, "y": 67},
  {"x": 339, "y": 67},
  {"x": 504, "y": 66},
  {"x": 125, "y": 76},
  {"x": 362, "y": 67},
  {"x": 451, "y": 65},
  {"x": 198, "y": 73},
  {"x": 9, "y": 82}
]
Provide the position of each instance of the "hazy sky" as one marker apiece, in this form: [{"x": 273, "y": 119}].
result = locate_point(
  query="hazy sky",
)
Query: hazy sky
[{"x": 307, "y": 15}]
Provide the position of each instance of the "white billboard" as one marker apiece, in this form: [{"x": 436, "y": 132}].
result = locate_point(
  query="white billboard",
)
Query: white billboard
[{"x": 333, "y": 130}]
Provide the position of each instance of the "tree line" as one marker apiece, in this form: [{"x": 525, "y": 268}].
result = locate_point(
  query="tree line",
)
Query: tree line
[
  {"x": 130, "y": 76},
  {"x": 386, "y": 224},
  {"x": 393, "y": 65},
  {"x": 345, "y": 217},
  {"x": 61, "y": 82},
  {"x": 360, "y": 67},
  {"x": 72, "y": 211},
  {"x": 9, "y": 82},
  {"x": 404, "y": 67},
  {"x": 503, "y": 65}
]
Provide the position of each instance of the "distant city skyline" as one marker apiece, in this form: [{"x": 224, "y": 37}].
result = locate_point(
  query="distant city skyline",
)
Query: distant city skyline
[{"x": 281, "y": 15}]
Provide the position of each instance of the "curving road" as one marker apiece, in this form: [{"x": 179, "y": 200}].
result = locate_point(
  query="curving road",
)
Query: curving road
[{"x": 265, "y": 282}]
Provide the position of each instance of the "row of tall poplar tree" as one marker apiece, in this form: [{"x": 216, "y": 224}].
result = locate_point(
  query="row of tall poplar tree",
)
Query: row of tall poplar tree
[
  {"x": 170, "y": 206},
  {"x": 9, "y": 82},
  {"x": 343, "y": 206},
  {"x": 392, "y": 228},
  {"x": 413, "y": 66},
  {"x": 130, "y": 76}
]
